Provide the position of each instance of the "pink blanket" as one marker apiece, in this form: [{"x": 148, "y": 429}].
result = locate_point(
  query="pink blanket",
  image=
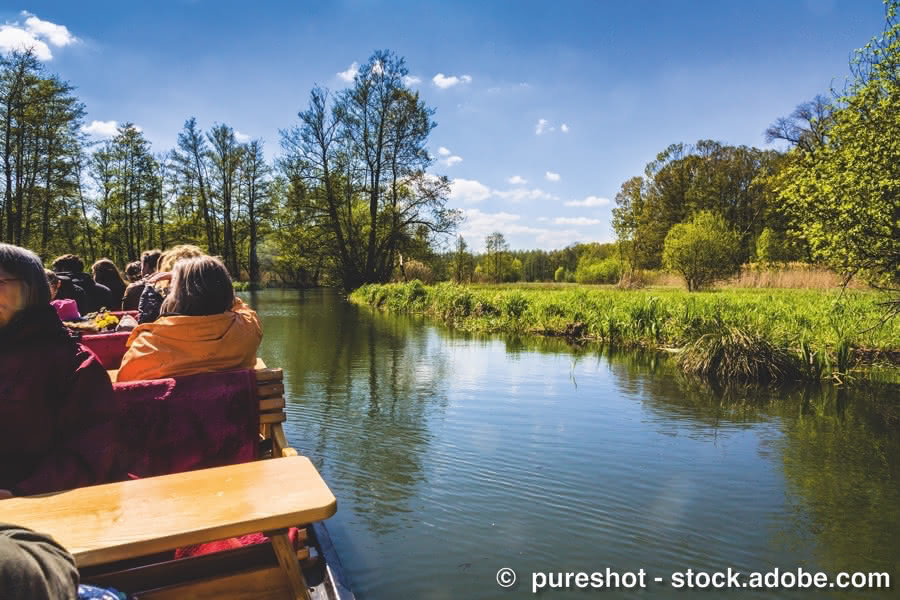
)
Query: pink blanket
[{"x": 184, "y": 423}]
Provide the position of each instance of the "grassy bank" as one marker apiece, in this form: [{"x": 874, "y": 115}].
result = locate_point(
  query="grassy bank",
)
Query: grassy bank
[{"x": 758, "y": 334}]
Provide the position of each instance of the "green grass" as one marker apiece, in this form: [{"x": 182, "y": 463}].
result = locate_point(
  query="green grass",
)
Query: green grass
[{"x": 724, "y": 333}]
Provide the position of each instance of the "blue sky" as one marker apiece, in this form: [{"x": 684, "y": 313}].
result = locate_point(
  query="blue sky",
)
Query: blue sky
[{"x": 543, "y": 108}]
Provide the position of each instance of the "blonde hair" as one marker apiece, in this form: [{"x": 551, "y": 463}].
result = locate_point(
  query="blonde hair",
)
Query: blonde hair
[
  {"x": 170, "y": 257},
  {"x": 176, "y": 253}
]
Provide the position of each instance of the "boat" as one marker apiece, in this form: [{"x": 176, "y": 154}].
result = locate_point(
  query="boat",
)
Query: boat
[{"x": 216, "y": 439}]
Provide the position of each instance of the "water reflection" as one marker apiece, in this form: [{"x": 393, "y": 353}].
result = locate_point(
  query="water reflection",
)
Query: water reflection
[{"x": 454, "y": 454}]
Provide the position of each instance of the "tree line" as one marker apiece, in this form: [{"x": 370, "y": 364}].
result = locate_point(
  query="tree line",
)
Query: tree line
[{"x": 346, "y": 199}]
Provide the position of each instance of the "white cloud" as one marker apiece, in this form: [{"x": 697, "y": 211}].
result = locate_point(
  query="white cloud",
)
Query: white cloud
[
  {"x": 443, "y": 151},
  {"x": 58, "y": 35},
  {"x": 542, "y": 219},
  {"x": 469, "y": 191},
  {"x": 517, "y": 195},
  {"x": 241, "y": 137},
  {"x": 14, "y": 38},
  {"x": 564, "y": 128},
  {"x": 542, "y": 127},
  {"x": 517, "y": 180},
  {"x": 589, "y": 201},
  {"x": 443, "y": 81},
  {"x": 478, "y": 225},
  {"x": 577, "y": 221},
  {"x": 378, "y": 68},
  {"x": 350, "y": 73},
  {"x": 551, "y": 176},
  {"x": 411, "y": 80},
  {"x": 101, "y": 129},
  {"x": 452, "y": 160}
]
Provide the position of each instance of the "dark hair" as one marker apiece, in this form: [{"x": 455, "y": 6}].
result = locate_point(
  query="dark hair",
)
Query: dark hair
[
  {"x": 133, "y": 271},
  {"x": 106, "y": 273},
  {"x": 68, "y": 263},
  {"x": 149, "y": 260},
  {"x": 200, "y": 286},
  {"x": 25, "y": 265}
]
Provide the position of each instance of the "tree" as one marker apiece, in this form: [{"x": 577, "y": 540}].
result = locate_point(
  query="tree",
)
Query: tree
[
  {"x": 496, "y": 249},
  {"x": 462, "y": 262},
  {"x": 192, "y": 163},
  {"x": 224, "y": 156},
  {"x": 255, "y": 173},
  {"x": 361, "y": 162},
  {"x": 702, "y": 251},
  {"x": 844, "y": 194}
]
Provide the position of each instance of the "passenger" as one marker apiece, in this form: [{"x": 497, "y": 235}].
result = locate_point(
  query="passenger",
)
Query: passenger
[
  {"x": 106, "y": 273},
  {"x": 94, "y": 297},
  {"x": 152, "y": 296},
  {"x": 56, "y": 400},
  {"x": 66, "y": 309},
  {"x": 133, "y": 271},
  {"x": 203, "y": 328},
  {"x": 149, "y": 260},
  {"x": 34, "y": 566}
]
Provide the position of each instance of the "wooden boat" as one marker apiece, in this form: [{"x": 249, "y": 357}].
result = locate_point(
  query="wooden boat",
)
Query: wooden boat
[{"x": 122, "y": 534}]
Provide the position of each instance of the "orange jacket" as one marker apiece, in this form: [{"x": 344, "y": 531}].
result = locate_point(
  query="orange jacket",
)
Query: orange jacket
[{"x": 183, "y": 345}]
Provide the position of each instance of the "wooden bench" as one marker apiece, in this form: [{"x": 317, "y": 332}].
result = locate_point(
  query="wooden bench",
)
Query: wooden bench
[
  {"x": 120, "y": 521},
  {"x": 113, "y": 528}
]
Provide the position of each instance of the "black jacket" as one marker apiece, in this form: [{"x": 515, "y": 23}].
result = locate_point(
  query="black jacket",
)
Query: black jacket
[{"x": 94, "y": 296}]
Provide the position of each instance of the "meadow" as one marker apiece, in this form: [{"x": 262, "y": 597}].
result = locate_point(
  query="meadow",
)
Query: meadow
[{"x": 748, "y": 334}]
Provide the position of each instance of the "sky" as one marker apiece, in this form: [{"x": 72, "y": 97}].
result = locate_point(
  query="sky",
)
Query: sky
[{"x": 543, "y": 108}]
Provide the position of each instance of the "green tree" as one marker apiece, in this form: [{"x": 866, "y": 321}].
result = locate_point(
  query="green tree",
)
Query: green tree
[
  {"x": 844, "y": 194},
  {"x": 702, "y": 251},
  {"x": 496, "y": 256}
]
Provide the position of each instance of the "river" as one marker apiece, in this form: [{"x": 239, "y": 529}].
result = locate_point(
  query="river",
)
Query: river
[{"x": 453, "y": 456}]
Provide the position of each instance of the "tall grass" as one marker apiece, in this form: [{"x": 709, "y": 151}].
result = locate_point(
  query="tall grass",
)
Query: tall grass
[{"x": 741, "y": 334}]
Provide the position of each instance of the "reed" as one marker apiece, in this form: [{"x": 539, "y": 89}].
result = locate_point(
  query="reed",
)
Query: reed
[{"x": 822, "y": 332}]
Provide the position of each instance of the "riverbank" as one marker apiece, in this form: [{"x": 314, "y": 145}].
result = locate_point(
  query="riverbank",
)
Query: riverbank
[{"x": 745, "y": 334}]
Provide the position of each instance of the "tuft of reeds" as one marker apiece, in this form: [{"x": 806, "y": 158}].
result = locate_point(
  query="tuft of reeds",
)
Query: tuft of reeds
[{"x": 738, "y": 355}]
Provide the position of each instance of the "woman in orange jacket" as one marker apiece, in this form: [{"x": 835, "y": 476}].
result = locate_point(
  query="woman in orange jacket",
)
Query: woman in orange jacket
[{"x": 203, "y": 327}]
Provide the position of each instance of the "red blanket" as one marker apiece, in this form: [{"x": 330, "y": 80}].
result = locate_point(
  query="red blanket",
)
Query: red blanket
[
  {"x": 184, "y": 423},
  {"x": 109, "y": 347}
]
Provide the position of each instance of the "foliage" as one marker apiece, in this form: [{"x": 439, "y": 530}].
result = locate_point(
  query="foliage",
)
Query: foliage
[
  {"x": 415, "y": 269},
  {"x": 608, "y": 270},
  {"x": 357, "y": 165},
  {"x": 843, "y": 193},
  {"x": 729, "y": 181},
  {"x": 746, "y": 334},
  {"x": 702, "y": 251},
  {"x": 560, "y": 274}
]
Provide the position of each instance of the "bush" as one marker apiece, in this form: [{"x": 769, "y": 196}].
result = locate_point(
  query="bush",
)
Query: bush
[
  {"x": 414, "y": 269},
  {"x": 702, "y": 251},
  {"x": 607, "y": 270},
  {"x": 560, "y": 274}
]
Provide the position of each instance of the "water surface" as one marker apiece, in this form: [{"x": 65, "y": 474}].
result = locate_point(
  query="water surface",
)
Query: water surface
[{"x": 453, "y": 456}]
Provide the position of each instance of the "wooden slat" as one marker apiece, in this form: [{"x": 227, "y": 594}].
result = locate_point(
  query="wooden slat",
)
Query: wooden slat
[
  {"x": 258, "y": 584},
  {"x": 270, "y": 390},
  {"x": 266, "y": 375},
  {"x": 281, "y": 447},
  {"x": 118, "y": 521},
  {"x": 278, "y": 417},
  {"x": 271, "y": 404},
  {"x": 290, "y": 566}
]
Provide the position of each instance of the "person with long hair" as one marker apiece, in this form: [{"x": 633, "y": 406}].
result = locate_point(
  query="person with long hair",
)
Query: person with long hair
[
  {"x": 57, "y": 407},
  {"x": 149, "y": 260},
  {"x": 202, "y": 327},
  {"x": 106, "y": 273},
  {"x": 156, "y": 287}
]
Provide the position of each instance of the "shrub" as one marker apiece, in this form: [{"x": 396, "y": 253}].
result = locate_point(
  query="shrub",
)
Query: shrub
[
  {"x": 607, "y": 270},
  {"x": 414, "y": 269},
  {"x": 560, "y": 274},
  {"x": 702, "y": 251},
  {"x": 515, "y": 305},
  {"x": 734, "y": 354}
]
